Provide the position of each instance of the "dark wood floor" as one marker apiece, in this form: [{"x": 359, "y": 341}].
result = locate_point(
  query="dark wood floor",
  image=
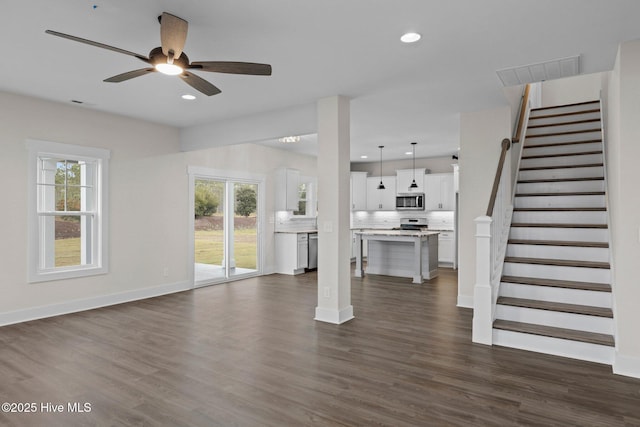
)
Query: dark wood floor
[{"x": 250, "y": 354}]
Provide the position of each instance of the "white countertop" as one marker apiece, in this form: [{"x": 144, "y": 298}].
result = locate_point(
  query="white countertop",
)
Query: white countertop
[
  {"x": 399, "y": 233},
  {"x": 297, "y": 231}
]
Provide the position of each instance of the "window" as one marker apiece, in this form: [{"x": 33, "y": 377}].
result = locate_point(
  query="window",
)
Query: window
[{"x": 67, "y": 211}]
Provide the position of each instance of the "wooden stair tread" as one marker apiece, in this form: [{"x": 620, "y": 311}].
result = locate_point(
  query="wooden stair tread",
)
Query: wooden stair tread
[
  {"x": 578, "y": 209},
  {"x": 586, "y": 310},
  {"x": 557, "y": 225},
  {"x": 575, "y": 104},
  {"x": 586, "y": 165},
  {"x": 569, "y": 113},
  {"x": 553, "y": 332},
  {"x": 558, "y": 144},
  {"x": 569, "y": 284},
  {"x": 562, "y": 193},
  {"x": 569, "y": 132},
  {"x": 575, "y": 122},
  {"x": 544, "y": 156},
  {"x": 574, "y": 243},
  {"x": 536, "y": 181},
  {"x": 557, "y": 262}
]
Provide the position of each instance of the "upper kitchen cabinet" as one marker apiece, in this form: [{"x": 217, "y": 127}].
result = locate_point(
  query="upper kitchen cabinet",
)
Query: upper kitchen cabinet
[
  {"x": 358, "y": 191},
  {"x": 439, "y": 194},
  {"x": 405, "y": 178},
  {"x": 287, "y": 189},
  {"x": 381, "y": 200}
]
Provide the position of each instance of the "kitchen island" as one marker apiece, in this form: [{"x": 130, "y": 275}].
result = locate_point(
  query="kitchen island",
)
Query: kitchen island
[{"x": 400, "y": 253}]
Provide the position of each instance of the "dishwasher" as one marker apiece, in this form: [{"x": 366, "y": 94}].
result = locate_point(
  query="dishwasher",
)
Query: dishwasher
[{"x": 313, "y": 251}]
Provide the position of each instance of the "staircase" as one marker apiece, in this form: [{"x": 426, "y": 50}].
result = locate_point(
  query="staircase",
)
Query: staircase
[{"x": 555, "y": 294}]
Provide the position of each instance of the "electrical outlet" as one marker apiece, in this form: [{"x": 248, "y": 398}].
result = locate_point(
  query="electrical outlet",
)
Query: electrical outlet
[
  {"x": 165, "y": 272},
  {"x": 327, "y": 292}
]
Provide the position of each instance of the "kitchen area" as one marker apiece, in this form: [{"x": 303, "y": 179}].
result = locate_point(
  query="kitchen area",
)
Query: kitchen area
[{"x": 406, "y": 229}]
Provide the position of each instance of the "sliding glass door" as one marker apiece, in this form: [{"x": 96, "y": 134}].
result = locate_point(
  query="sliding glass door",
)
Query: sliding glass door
[{"x": 226, "y": 212}]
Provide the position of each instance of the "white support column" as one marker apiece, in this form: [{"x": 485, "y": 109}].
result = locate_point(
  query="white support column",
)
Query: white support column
[
  {"x": 482, "y": 300},
  {"x": 334, "y": 235},
  {"x": 417, "y": 260}
]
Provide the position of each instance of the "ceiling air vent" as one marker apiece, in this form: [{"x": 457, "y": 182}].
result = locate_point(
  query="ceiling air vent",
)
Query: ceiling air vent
[{"x": 549, "y": 70}]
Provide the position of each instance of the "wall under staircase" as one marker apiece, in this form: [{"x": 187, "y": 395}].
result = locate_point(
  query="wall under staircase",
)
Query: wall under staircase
[{"x": 555, "y": 293}]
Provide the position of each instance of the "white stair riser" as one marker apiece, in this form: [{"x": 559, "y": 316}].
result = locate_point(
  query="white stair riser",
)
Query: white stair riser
[
  {"x": 562, "y": 119},
  {"x": 558, "y": 347},
  {"x": 562, "y": 173},
  {"x": 562, "y": 128},
  {"x": 559, "y": 252},
  {"x": 566, "y": 109},
  {"x": 579, "y": 322},
  {"x": 561, "y": 186},
  {"x": 553, "y": 294},
  {"x": 562, "y": 149},
  {"x": 571, "y": 234},
  {"x": 572, "y": 137},
  {"x": 578, "y": 274},
  {"x": 561, "y": 161},
  {"x": 559, "y": 202},
  {"x": 561, "y": 217}
]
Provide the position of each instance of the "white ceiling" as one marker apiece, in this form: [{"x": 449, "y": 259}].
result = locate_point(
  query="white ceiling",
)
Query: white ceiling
[{"x": 317, "y": 48}]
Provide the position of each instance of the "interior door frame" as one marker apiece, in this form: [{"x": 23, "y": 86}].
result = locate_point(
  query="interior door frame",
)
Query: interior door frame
[{"x": 228, "y": 176}]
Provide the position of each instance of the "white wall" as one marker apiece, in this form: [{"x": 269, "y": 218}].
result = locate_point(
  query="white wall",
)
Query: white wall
[
  {"x": 481, "y": 135},
  {"x": 148, "y": 204},
  {"x": 434, "y": 164},
  {"x": 572, "y": 90},
  {"x": 623, "y": 151}
]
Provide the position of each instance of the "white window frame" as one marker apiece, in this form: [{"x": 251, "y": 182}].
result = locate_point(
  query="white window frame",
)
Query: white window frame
[{"x": 99, "y": 235}]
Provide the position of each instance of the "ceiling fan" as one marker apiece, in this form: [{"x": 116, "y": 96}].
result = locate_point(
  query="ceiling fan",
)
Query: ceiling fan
[{"x": 170, "y": 59}]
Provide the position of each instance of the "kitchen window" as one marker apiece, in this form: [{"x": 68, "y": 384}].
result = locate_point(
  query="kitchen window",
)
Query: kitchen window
[{"x": 67, "y": 211}]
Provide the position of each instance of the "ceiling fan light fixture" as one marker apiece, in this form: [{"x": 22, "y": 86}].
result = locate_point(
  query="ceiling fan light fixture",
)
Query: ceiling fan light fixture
[{"x": 169, "y": 69}]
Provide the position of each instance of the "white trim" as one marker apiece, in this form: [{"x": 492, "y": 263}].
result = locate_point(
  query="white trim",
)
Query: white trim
[
  {"x": 194, "y": 172},
  {"x": 626, "y": 365},
  {"x": 39, "y": 148},
  {"x": 75, "y": 306},
  {"x": 336, "y": 317},
  {"x": 465, "y": 301}
]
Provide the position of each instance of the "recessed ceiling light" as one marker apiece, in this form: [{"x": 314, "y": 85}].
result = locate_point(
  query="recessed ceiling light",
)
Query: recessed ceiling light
[
  {"x": 410, "y": 37},
  {"x": 289, "y": 139},
  {"x": 188, "y": 97},
  {"x": 364, "y": 157}
]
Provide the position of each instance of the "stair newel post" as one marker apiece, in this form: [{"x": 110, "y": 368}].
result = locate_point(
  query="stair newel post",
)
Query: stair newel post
[{"x": 482, "y": 292}]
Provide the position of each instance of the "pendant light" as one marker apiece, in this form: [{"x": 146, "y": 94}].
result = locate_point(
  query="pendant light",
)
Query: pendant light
[
  {"x": 381, "y": 185},
  {"x": 413, "y": 183}
]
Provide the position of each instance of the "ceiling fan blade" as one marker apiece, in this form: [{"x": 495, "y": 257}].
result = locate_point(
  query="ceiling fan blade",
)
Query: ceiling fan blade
[
  {"x": 233, "y": 67},
  {"x": 199, "y": 84},
  {"x": 129, "y": 75},
  {"x": 173, "y": 34},
  {"x": 102, "y": 45}
]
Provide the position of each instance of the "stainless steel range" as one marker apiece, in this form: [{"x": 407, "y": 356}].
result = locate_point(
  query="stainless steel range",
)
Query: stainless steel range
[{"x": 413, "y": 224}]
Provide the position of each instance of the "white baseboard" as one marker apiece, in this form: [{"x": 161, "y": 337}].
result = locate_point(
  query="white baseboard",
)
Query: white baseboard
[
  {"x": 334, "y": 316},
  {"x": 465, "y": 301},
  {"x": 74, "y": 306},
  {"x": 626, "y": 365}
]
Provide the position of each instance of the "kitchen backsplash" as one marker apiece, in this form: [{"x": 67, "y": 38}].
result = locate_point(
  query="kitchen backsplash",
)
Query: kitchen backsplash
[
  {"x": 285, "y": 221},
  {"x": 437, "y": 220}
]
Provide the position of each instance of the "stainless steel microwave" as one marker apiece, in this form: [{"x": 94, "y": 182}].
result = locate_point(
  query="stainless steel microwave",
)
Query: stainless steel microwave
[{"x": 410, "y": 202}]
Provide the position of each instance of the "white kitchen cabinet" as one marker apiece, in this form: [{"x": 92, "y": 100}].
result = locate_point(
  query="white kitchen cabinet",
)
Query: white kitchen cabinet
[
  {"x": 439, "y": 194},
  {"x": 446, "y": 248},
  {"x": 287, "y": 181},
  {"x": 381, "y": 200},
  {"x": 358, "y": 191},
  {"x": 404, "y": 179},
  {"x": 292, "y": 253}
]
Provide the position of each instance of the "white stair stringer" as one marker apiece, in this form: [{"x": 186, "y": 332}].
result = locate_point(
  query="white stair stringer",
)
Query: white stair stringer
[{"x": 555, "y": 296}]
